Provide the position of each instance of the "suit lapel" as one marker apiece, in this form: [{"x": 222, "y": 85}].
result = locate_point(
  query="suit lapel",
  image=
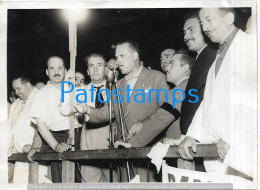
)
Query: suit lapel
[
  {"x": 122, "y": 87},
  {"x": 141, "y": 83}
]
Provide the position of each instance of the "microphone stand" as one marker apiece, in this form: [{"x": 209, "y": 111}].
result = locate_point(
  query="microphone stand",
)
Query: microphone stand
[
  {"x": 111, "y": 139},
  {"x": 111, "y": 76},
  {"x": 122, "y": 126}
]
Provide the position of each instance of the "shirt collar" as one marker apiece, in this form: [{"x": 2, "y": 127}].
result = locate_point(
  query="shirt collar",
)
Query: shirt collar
[
  {"x": 228, "y": 41},
  {"x": 184, "y": 79},
  {"x": 135, "y": 74},
  {"x": 100, "y": 84},
  {"x": 201, "y": 51},
  {"x": 49, "y": 85},
  {"x": 32, "y": 93}
]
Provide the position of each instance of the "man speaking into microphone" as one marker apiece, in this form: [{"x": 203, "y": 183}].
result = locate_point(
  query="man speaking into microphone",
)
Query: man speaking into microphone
[{"x": 135, "y": 115}]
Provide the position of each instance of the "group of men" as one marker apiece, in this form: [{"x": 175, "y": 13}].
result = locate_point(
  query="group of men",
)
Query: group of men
[{"x": 225, "y": 113}]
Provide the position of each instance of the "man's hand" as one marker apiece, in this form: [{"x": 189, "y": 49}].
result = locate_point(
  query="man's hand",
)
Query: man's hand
[
  {"x": 80, "y": 108},
  {"x": 65, "y": 110},
  {"x": 31, "y": 153},
  {"x": 222, "y": 148},
  {"x": 188, "y": 142},
  {"x": 121, "y": 143},
  {"x": 135, "y": 129},
  {"x": 27, "y": 148},
  {"x": 61, "y": 147},
  {"x": 69, "y": 75}
]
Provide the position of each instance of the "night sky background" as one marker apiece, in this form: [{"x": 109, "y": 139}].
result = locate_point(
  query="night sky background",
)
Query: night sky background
[{"x": 35, "y": 35}]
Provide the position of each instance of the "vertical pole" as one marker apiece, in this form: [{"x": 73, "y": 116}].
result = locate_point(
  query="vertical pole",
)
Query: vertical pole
[
  {"x": 68, "y": 168},
  {"x": 68, "y": 172},
  {"x": 185, "y": 164},
  {"x": 33, "y": 172},
  {"x": 123, "y": 132},
  {"x": 72, "y": 49},
  {"x": 110, "y": 132}
]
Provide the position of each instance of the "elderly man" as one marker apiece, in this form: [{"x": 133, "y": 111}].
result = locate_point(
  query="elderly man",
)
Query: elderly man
[
  {"x": 134, "y": 113},
  {"x": 21, "y": 129},
  {"x": 227, "y": 114},
  {"x": 166, "y": 57},
  {"x": 52, "y": 126}
]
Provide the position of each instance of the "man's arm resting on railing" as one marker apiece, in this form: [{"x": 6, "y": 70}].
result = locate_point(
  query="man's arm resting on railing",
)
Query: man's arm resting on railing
[
  {"x": 36, "y": 145},
  {"x": 48, "y": 137}
]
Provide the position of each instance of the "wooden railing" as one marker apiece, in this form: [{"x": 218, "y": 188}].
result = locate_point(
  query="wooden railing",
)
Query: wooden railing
[{"x": 68, "y": 158}]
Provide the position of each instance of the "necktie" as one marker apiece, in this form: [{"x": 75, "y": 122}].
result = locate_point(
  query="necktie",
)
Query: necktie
[
  {"x": 99, "y": 104},
  {"x": 220, "y": 58}
]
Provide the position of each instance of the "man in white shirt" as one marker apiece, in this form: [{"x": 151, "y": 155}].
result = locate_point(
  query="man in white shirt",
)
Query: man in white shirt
[
  {"x": 21, "y": 129},
  {"x": 52, "y": 126}
]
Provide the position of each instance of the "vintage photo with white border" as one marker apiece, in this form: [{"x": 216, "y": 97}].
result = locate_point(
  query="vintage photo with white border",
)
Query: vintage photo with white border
[{"x": 129, "y": 94}]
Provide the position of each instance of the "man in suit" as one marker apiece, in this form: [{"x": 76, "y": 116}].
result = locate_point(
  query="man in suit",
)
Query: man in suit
[
  {"x": 136, "y": 114},
  {"x": 227, "y": 115},
  {"x": 95, "y": 136},
  {"x": 195, "y": 40}
]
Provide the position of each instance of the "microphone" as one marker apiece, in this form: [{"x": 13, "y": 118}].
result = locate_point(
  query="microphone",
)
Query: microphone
[
  {"x": 112, "y": 64},
  {"x": 109, "y": 75}
]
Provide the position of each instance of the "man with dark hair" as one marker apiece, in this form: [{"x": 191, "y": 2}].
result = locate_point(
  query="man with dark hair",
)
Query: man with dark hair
[
  {"x": 166, "y": 57},
  {"x": 52, "y": 126},
  {"x": 227, "y": 115},
  {"x": 95, "y": 136},
  {"x": 178, "y": 73},
  {"x": 195, "y": 40},
  {"x": 21, "y": 129},
  {"x": 135, "y": 115},
  {"x": 80, "y": 80}
]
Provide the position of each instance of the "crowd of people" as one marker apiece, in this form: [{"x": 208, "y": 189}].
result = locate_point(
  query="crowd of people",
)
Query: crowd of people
[{"x": 225, "y": 80}]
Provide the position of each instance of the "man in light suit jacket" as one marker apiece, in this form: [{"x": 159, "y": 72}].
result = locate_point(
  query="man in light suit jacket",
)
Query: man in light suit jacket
[
  {"x": 227, "y": 114},
  {"x": 136, "y": 114}
]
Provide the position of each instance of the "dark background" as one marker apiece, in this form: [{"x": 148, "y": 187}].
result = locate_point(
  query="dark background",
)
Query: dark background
[{"x": 35, "y": 35}]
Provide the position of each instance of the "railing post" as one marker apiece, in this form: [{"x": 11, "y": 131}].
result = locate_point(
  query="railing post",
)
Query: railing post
[
  {"x": 33, "y": 172},
  {"x": 185, "y": 164},
  {"x": 68, "y": 172}
]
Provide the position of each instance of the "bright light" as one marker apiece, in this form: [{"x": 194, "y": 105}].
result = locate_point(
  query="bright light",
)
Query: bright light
[{"x": 76, "y": 15}]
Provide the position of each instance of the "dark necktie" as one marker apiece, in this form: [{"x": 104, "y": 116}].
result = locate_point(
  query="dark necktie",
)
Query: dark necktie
[
  {"x": 99, "y": 104},
  {"x": 221, "y": 57}
]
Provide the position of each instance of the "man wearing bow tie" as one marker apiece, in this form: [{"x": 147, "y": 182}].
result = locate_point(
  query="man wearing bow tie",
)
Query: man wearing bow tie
[{"x": 136, "y": 115}]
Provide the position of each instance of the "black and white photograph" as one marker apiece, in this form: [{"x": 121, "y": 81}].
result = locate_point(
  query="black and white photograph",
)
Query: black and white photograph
[{"x": 110, "y": 96}]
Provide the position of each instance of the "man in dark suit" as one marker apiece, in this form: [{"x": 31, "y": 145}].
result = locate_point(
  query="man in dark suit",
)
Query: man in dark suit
[
  {"x": 137, "y": 108},
  {"x": 196, "y": 41}
]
